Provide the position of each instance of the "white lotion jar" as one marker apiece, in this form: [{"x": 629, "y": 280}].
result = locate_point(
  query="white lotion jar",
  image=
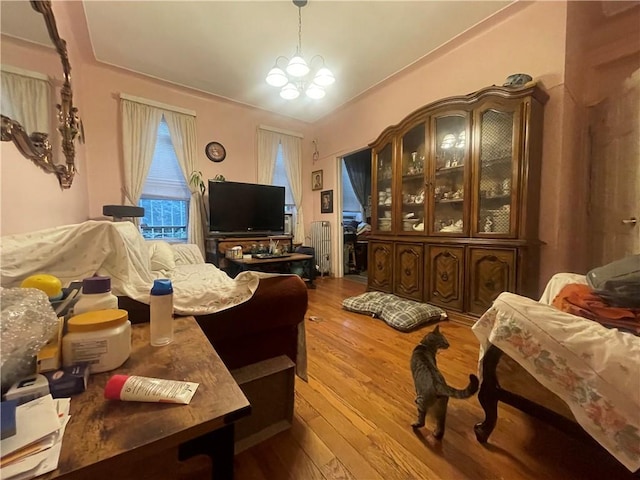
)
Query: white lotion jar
[{"x": 101, "y": 338}]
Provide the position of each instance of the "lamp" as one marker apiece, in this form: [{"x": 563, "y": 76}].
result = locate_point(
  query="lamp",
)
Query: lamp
[
  {"x": 118, "y": 212},
  {"x": 298, "y": 76}
]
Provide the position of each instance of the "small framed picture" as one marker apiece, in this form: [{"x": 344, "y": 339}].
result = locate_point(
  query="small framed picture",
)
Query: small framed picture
[
  {"x": 326, "y": 201},
  {"x": 316, "y": 180}
]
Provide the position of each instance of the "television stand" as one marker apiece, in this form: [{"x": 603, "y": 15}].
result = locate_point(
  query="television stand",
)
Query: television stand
[
  {"x": 244, "y": 234},
  {"x": 218, "y": 243},
  {"x": 266, "y": 264}
]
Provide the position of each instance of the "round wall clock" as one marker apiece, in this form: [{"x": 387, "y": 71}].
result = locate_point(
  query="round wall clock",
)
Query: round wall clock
[{"x": 215, "y": 151}]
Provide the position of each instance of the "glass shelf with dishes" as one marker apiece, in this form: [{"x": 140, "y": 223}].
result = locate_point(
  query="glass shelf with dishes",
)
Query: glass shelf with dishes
[
  {"x": 452, "y": 155},
  {"x": 413, "y": 183},
  {"x": 383, "y": 187},
  {"x": 495, "y": 174}
]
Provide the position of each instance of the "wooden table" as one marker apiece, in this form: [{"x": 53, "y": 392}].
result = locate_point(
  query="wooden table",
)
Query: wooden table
[
  {"x": 260, "y": 263},
  {"x": 108, "y": 439}
]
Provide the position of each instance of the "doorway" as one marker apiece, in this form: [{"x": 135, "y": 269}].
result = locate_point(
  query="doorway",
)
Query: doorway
[
  {"x": 355, "y": 214},
  {"x": 614, "y": 208}
]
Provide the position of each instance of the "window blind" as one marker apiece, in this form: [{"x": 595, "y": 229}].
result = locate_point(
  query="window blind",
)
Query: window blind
[
  {"x": 165, "y": 179},
  {"x": 280, "y": 178}
]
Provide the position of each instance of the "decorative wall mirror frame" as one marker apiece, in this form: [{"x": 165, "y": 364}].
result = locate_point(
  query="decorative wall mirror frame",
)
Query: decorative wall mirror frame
[{"x": 36, "y": 146}]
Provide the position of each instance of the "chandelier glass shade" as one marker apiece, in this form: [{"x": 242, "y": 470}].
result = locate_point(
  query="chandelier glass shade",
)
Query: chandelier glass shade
[{"x": 295, "y": 76}]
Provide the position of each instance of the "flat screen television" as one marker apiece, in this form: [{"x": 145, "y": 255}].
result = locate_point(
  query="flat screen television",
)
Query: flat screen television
[{"x": 247, "y": 208}]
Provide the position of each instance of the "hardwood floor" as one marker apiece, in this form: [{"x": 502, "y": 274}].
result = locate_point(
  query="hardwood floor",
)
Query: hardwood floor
[{"x": 352, "y": 419}]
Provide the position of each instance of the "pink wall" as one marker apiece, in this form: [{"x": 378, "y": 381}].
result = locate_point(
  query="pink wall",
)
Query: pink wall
[
  {"x": 526, "y": 38},
  {"x": 96, "y": 89},
  {"x": 231, "y": 124},
  {"x": 31, "y": 199}
]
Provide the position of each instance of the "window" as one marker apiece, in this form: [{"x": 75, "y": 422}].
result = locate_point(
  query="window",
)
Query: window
[
  {"x": 24, "y": 97},
  {"x": 165, "y": 196},
  {"x": 351, "y": 208},
  {"x": 280, "y": 179}
]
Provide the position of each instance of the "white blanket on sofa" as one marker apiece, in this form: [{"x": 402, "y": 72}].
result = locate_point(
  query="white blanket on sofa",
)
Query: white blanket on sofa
[
  {"x": 118, "y": 250},
  {"x": 595, "y": 370}
]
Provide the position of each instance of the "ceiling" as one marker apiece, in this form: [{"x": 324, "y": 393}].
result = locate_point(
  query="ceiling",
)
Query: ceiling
[{"x": 227, "y": 47}]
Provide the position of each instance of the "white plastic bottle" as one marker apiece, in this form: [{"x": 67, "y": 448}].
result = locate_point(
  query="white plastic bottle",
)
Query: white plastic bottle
[
  {"x": 161, "y": 312},
  {"x": 96, "y": 295}
]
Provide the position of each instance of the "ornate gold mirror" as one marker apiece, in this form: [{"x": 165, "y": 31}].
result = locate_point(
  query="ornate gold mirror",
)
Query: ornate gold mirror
[{"x": 36, "y": 146}]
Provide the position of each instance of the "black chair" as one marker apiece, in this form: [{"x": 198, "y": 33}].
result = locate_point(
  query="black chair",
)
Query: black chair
[
  {"x": 309, "y": 269},
  {"x": 349, "y": 242}
]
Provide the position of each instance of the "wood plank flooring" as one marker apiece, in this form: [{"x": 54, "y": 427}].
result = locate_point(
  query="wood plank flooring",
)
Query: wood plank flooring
[{"x": 352, "y": 418}]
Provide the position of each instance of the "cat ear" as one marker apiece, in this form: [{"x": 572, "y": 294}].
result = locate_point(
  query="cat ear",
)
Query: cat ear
[{"x": 437, "y": 329}]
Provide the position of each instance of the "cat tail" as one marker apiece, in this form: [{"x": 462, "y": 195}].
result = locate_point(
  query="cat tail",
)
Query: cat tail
[{"x": 467, "y": 392}]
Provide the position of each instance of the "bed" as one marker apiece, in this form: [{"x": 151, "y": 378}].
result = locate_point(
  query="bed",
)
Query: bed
[{"x": 573, "y": 372}]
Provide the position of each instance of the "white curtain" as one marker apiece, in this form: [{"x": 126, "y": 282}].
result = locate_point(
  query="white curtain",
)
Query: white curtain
[
  {"x": 183, "y": 136},
  {"x": 139, "y": 130},
  {"x": 267, "y": 151},
  {"x": 268, "y": 142},
  {"x": 26, "y": 100},
  {"x": 292, "y": 156}
]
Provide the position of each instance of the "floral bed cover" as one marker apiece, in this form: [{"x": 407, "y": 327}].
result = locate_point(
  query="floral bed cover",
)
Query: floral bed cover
[{"x": 595, "y": 370}]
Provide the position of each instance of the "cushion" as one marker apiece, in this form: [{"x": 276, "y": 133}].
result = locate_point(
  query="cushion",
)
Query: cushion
[
  {"x": 401, "y": 314},
  {"x": 187, "y": 254},
  {"x": 161, "y": 256},
  {"x": 406, "y": 315},
  {"x": 369, "y": 303}
]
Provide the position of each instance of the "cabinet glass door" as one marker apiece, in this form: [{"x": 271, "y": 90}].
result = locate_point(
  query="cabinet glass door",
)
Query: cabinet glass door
[
  {"x": 384, "y": 200},
  {"x": 451, "y": 152},
  {"x": 496, "y": 166},
  {"x": 413, "y": 185}
]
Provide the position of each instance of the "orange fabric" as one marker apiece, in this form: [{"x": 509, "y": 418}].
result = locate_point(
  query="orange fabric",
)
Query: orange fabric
[{"x": 582, "y": 301}]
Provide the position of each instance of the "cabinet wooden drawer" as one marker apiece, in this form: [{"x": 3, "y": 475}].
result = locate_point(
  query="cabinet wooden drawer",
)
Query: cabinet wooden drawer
[
  {"x": 381, "y": 266},
  {"x": 445, "y": 277},
  {"x": 409, "y": 268},
  {"x": 492, "y": 271}
]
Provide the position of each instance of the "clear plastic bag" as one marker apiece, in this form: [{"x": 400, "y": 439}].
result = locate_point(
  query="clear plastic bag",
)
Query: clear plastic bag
[{"x": 27, "y": 322}]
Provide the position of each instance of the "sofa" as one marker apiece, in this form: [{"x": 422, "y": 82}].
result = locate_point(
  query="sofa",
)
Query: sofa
[
  {"x": 573, "y": 372},
  {"x": 247, "y": 319},
  {"x": 267, "y": 325}
]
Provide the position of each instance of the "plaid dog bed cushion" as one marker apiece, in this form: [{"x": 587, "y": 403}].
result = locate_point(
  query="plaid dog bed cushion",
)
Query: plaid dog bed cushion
[
  {"x": 368, "y": 303},
  {"x": 406, "y": 315},
  {"x": 401, "y": 314}
]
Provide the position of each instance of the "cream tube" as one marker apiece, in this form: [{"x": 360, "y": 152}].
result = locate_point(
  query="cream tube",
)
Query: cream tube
[{"x": 146, "y": 389}]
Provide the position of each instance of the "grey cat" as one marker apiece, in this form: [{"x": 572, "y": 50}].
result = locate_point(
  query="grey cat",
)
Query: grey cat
[{"x": 431, "y": 388}]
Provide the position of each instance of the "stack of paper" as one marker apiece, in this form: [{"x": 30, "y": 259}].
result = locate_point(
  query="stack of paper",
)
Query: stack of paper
[{"x": 35, "y": 448}]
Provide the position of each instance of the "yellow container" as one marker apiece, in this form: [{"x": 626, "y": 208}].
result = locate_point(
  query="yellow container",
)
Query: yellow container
[{"x": 101, "y": 338}]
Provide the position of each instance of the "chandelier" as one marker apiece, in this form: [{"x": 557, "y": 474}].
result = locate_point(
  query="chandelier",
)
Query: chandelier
[{"x": 299, "y": 76}]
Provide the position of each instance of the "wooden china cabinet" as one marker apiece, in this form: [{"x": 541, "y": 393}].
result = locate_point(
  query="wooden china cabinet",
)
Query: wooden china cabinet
[{"x": 456, "y": 199}]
